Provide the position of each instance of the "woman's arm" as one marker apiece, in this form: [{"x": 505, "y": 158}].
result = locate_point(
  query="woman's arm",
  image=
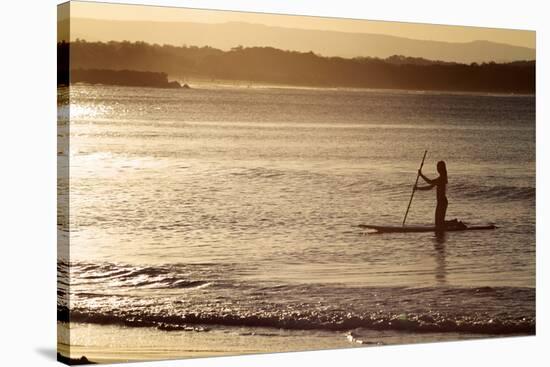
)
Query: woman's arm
[
  {"x": 425, "y": 188},
  {"x": 425, "y": 178},
  {"x": 430, "y": 182}
]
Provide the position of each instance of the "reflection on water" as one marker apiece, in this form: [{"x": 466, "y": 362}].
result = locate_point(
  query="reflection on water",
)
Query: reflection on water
[{"x": 439, "y": 240}]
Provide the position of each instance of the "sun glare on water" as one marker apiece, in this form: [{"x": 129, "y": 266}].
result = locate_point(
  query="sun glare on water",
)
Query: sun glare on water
[{"x": 85, "y": 111}]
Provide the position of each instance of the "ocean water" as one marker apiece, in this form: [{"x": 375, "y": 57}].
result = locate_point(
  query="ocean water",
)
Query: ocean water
[{"x": 193, "y": 210}]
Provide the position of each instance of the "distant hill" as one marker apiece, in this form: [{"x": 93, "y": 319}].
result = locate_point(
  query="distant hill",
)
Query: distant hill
[
  {"x": 274, "y": 66},
  {"x": 326, "y": 43}
]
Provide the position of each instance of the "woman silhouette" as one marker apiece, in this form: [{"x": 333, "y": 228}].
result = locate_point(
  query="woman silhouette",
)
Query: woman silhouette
[{"x": 441, "y": 183}]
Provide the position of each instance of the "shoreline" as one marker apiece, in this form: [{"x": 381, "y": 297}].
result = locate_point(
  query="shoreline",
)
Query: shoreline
[
  {"x": 243, "y": 85},
  {"x": 119, "y": 344},
  {"x": 197, "y": 82}
]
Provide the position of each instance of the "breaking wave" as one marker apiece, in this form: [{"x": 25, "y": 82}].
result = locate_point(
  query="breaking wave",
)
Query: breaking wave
[{"x": 191, "y": 296}]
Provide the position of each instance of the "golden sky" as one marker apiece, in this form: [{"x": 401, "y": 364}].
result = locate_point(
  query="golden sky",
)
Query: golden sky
[{"x": 408, "y": 30}]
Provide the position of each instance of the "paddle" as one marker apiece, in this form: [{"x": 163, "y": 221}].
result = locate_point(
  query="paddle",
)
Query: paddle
[{"x": 414, "y": 187}]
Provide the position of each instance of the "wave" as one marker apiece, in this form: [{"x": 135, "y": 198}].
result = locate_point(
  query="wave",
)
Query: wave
[
  {"x": 190, "y": 296},
  {"x": 114, "y": 276},
  {"x": 500, "y": 192},
  {"x": 173, "y": 283},
  {"x": 196, "y": 321},
  {"x": 456, "y": 189},
  {"x": 258, "y": 173}
]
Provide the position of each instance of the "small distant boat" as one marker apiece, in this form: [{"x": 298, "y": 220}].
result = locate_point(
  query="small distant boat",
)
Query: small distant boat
[{"x": 427, "y": 228}]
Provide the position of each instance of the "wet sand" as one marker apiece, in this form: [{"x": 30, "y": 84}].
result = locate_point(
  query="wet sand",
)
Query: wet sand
[{"x": 117, "y": 344}]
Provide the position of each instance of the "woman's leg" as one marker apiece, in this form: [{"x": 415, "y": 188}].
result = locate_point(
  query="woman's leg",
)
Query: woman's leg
[
  {"x": 438, "y": 217},
  {"x": 440, "y": 212}
]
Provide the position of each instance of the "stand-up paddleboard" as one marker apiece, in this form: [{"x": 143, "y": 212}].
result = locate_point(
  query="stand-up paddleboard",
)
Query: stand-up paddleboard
[{"x": 406, "y": 229}]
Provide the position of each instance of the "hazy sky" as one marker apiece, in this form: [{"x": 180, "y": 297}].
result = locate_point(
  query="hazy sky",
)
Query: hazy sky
[{"x": 408, "y": 30}]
